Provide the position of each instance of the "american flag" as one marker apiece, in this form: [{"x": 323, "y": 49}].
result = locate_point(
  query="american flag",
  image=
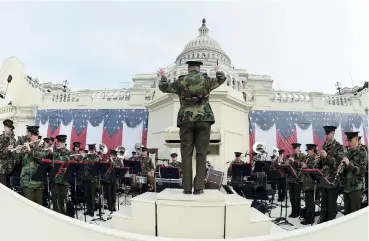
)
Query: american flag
[
  {"x": 281, "y": 128},
  {"x": 113, "y": 127}
]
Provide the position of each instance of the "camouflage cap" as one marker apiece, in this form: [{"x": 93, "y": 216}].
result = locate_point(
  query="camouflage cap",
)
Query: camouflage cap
[
  {"x": 8, "y": 123},
  {"x": 194, "y": 63},
  {"x": 61, "y": 138}
]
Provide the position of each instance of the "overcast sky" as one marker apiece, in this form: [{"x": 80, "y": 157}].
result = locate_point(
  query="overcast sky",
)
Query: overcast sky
[{"x": 303, "y": 45}]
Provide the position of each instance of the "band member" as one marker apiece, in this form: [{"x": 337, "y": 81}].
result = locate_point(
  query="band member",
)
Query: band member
[
  {"x": 195, "y": 118},
  {"x": 296, "y": 160},
  {"x": 331, "y": 156},
  {"x": 174, "y": 162},
  {"x": 147, "y": 167},
  {"x": 281, "y": 181},
  {"x": 7, "y": 142},
  {"x": 90, "y": 182},
  {"x": 237, "y": 160},
  {"x": 352, "y": 170},
  {"x": 31, "y": 156},
  {"x": 60, "y": 191},
  {"x": 308, "y": 186},
  {"x": 110, "y": 187},
  {"x": 76, "y": 147},
  {"x": 134, "y": 156},
  {"x": 365, "y": 148}
]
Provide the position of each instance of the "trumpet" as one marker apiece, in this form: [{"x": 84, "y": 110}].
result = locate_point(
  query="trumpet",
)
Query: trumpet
[{"x": 20, "y": 147}]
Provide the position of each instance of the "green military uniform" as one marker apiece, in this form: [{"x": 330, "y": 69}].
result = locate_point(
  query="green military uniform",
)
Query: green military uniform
[
  {"x": 308, "y": 185},
  {"x": 353, "y": 175},
  {"x": 30, "y": 159},
  {"x": 234, "y": 161},
  {"x": 90, "y": 183},
  {"x": 60, "y": 192},
  {"x": 365, "y": 148},
  {"x": 295, "y": 188},
  {"x": 328, "y": 166},
  {"x": 6, "y": 157},
  {"x": 110, "y": 187},
  {"x": 174, "y": 162},
  {"x": 194, "y": 120},
  {"x": 147, "y": 165}
]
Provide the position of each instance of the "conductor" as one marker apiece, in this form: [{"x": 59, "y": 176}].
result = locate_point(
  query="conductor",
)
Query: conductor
[{"x": 194, "y": 119}]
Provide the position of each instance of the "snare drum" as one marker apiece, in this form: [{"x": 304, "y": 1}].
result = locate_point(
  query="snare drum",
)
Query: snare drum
[
  {"x": 141, "y": 180},
  {"x": 214, "y": 179}
]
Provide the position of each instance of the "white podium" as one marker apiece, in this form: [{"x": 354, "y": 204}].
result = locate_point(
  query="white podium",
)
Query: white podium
[{"x": 190, "y": 216}]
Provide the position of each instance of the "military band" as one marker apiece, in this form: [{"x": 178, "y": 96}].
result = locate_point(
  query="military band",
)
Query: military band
[{"x": 345, "y": 168}]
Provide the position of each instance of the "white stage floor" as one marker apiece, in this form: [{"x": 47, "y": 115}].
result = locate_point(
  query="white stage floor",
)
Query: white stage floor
[{"x": 275, "y": 213}]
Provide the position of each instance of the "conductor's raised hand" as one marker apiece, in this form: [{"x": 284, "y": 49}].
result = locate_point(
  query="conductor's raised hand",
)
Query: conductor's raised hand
[{"x": 162, "y": 72}]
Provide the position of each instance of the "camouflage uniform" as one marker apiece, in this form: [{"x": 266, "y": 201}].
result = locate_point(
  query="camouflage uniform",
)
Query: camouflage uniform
[
  {"x": 146, "y": 164},
  {"x": 194, "y": 119},
  {"x": 176, "y": 164},
  {"x": 110, "y": 187},
  {"x": 329, "y": 166},
  {"x": 90, "y": 183},
  {"x": 308, "y": 188},
  {"x": 59, "y": 195},
  {"x": 353, "y": 176},
  {"x": 295, "y": 187},
  {"x": 6, "y": 159}
]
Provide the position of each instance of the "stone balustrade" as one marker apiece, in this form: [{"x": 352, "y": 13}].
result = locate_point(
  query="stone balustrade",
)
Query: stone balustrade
[{"x": 253, "y": 96}]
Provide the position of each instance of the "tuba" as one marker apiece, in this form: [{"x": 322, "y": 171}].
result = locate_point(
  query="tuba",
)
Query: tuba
[
  {"x": 121, "y": 151},
  {"x": 103, "y": 149},
  {"x": 259, "y": 147}
]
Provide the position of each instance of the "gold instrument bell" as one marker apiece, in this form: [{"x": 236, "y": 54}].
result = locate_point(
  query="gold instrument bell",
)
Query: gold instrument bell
[{"x": 121, "y": 151}]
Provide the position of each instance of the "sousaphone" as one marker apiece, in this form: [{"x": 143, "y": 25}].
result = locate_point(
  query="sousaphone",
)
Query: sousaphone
[
  {"x": 103, "y": 149},
  {"x": 121, "y": 151}
]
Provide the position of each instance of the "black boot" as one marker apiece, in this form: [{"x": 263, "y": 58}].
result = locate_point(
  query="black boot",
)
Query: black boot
[
  {"x": 198, "y": 192},
  {"x": 187, "y": 192}
]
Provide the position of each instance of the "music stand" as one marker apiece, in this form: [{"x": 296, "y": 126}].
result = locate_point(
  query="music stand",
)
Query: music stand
[
  {"x": 319, "y": 180},
  {"x": 100, "y": 168},
  {"x": 168, "y": 172},
  {"x": 290, "y": 176},
  {"x": 73, "y": 171},
  {"x": 117, "y": 172},
  {"x": 121, "y": 176},
  {"x": 241, "y": 170}
]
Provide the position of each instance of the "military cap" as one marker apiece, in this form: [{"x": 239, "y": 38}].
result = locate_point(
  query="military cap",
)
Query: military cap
[
  {"x": 52, "y": 139},
  {"x": 280, "y": 152},
  {"x": 173, "y": 155},
  {"x": 91, "y": 147},
  {"x": 46, "y": 139},
  {"x": 8, "y": 123},
  {"x": 181, "y": 76},
  {"x": 295, "y": 145},
  {"x": 76, "y": 144},
  {"x": 113, "y": 152},
  {"x": 310, "y": 147},
  {"x": 33, "y": 129},
  {"x": 86, "y": 151},
  {"x": 134, "y": 152},
  {"x": 237, "y": 154},
  {"x": 39, "y": 137},
  {"x": 194, "y": 63},
  {"x": 61, "y": 138},
  {"x": 350, "y": 135},
  {"x": 143, "y": 148},
  {"x": 329, "y": 129}
]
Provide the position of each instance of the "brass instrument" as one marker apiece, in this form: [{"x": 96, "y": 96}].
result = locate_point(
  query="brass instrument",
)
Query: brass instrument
[
  {"x": 259, "y": 147},
  {"x": 121, "y": 151},
  {"x": 103, "y": 149},
  {"x": 20, "y": 147}
]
